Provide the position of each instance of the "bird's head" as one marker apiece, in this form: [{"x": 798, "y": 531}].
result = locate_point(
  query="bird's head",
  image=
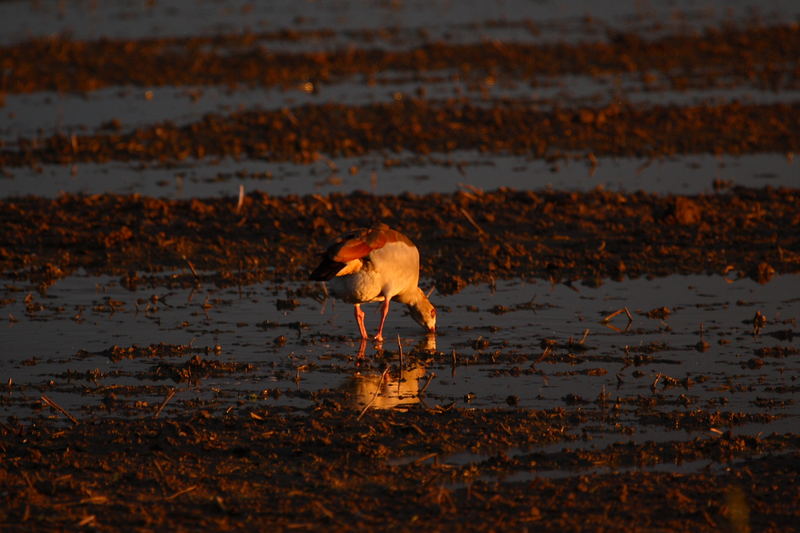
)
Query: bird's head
[{"x": 423, "y": 313}]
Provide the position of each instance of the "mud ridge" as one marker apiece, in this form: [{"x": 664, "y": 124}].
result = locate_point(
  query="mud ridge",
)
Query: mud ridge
[{"x": 465, "y": 237}]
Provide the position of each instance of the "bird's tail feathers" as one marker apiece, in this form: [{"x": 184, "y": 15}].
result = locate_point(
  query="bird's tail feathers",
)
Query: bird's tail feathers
[{"x": 326, "y": 270}]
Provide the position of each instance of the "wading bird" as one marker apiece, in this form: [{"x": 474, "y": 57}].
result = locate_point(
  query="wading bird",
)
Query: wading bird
[{"x": 376, "y": 265}]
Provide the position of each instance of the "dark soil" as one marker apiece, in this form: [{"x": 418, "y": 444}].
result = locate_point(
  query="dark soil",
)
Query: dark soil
[
  {"x": 420, "y": 126},
  {"x": 551, "y": 235},
  {"x": 762, "y": 55},
  {"x": 326, "y": 468}
]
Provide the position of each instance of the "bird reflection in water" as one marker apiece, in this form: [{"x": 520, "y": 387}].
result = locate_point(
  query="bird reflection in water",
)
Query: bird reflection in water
[{"x": 393, "y": 388}]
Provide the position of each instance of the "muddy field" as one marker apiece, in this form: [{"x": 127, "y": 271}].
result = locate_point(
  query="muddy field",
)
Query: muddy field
[{"x": 605, "y": 199}]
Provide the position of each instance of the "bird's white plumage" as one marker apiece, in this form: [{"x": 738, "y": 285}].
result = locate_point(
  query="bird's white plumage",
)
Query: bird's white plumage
[{"x": 385, "y": 273}]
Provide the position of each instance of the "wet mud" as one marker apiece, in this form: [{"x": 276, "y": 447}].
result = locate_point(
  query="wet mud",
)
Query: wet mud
[
  {"x": 760, "y": 55},
  {"x": 422, "y": 127},
  {"x": 505, "y": 416},
  {"x": 604, "y": 360},
  {"x": 466, "y": 237},
  {"x": 325, "y": 468}
]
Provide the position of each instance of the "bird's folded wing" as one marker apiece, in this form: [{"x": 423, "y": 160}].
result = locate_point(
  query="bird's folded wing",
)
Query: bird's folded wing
[
  {"x": 355, "y": 245},
  {"x": 360, "y": 243}
]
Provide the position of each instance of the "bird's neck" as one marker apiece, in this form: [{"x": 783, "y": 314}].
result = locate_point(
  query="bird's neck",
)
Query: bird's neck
[{"x": 411, "y": 298}]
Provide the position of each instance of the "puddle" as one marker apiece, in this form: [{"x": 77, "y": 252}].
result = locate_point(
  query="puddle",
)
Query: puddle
[
  {"x": 676, "y": 467},
  {"x": 405, "y": 173},
  {"x": 45, "y": 113},
  {"x": 575, "y": 458},
  {"x": 21, "y": 20},
  {"x": 270, "y": 344}
]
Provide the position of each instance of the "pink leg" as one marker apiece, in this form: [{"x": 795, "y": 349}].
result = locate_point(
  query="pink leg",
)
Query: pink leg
[
  {"x": 362, "y": 348},
  {"x": 384, "y": 313},
  {"x": 360, "y": 320}
]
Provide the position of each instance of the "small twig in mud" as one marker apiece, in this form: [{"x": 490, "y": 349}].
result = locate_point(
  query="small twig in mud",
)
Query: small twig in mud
[
  {"x": 617, "y": 312},
  {"x": 759, "y": 321},
  {"x": 472, "y": 221},
  {"x": 58, "y": 408},
  {"x": 477, "y": 190},
  {"x": 545, "y": 353},
  {"x": 161, "y": 476},
  {"x": 619, "y": 330},
  {"x": 180, "y": 492},
  {"x": 240, "y": 203},
  {"x": 97, "y": 500},
  {"x": 375, "y": 394},
  {"x": 324, "y": 510},
  {"x": 28, "y": 480},
  {"x": 191, "y": 267},
  {"x": 161, "y": 407},
  {"x": 400, "y": 347},
  {"x": 426, "y": 457},
  {"x": 425, "y": 387},
  {"x": 655, "y": 382},
  {"x": 702, "y": 345},
  {"x": 288, "y": 113},
  {"x": 86, "y": 521},
  {"x": 585, "y": 334},
  {"x": 298, "y": 374}
]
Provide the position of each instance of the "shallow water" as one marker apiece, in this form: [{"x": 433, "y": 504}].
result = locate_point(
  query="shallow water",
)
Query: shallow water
[
  {"x": 395, "y": 174},
  {"x": 20, "y": 19},
  {"x": 484, "y": 356},
  {"x": 46, "y": 113}
]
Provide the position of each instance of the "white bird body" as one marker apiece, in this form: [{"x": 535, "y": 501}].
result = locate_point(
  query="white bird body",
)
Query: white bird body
[
  {"x": 388, "y": 272},
  {"x": 376, "y": 265}
]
